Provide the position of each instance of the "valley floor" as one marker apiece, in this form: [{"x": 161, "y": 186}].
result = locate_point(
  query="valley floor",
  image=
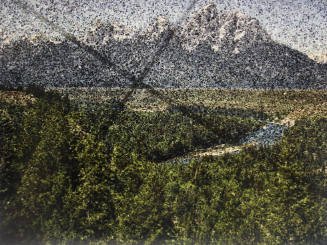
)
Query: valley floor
[{"x": 280, "y": 107}]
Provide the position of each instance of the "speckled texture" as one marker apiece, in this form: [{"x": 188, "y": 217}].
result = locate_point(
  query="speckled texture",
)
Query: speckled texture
[
  {"x": 301, "y": 24},
  {"x": 206, "y": 49}
]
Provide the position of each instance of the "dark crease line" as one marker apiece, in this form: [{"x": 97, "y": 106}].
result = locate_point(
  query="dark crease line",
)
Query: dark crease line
[
  {"x": 137, "y": 82},
  {"x": 105, "y": 60},
  {"x": 157, "y": 55}
]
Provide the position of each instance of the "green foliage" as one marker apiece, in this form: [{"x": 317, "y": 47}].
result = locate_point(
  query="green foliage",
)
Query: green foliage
[
  {"x": 10, "y": 126},
  {"x": 159, "y": 136},
  {"x": 143, "y": 215},
  {"x": 271, "y": 195},
  {"x": 74, "y": 176}
]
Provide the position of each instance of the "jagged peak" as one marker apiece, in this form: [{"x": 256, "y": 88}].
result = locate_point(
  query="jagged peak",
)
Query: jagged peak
[
  {"x": 209, "y": 16},
  {"x": 208, "y": 9},
  {"x": 240, "y": 18},
  {"x": 158, "y": 26},
  {"x": 205, "y": 14},
  {"x": 231, "y": 29},
  {"x": 102, "y": 31}
]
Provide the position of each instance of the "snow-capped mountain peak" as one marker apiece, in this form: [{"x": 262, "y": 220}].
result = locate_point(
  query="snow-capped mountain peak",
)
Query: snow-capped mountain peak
[{"x": 232, "y": 31}]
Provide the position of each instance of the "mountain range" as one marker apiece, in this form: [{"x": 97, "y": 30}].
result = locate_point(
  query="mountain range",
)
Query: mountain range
[{"x": 209, "y": 49}]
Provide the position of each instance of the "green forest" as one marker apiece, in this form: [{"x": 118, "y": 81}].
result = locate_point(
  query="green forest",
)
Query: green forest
[{"x": 97, "y": 173}]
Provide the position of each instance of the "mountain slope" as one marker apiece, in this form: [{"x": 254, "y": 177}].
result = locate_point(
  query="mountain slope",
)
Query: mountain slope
[{"x": 209, "y": 49}]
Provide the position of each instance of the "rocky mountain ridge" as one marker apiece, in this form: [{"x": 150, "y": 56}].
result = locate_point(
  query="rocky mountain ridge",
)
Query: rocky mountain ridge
[
  {"x": 233, "y": 30},
  {"x": 207, "y": 50}
]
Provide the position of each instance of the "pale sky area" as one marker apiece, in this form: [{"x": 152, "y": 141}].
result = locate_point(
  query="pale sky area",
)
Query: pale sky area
[{"x": 300, "y": 24}]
